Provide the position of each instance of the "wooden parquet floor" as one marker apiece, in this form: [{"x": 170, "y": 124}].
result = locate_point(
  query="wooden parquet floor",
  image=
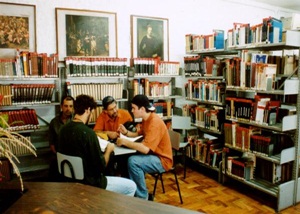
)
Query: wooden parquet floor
[{"x": 202, "y": 192}]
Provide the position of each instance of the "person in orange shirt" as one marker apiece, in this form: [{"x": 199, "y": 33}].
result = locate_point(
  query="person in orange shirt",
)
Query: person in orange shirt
[
  {"x": 154, "y": 152},
  {"x": 111, "y": 118}
]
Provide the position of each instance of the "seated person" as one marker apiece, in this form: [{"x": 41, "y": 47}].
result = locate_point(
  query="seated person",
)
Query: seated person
[
  {"x": 77, "y": 139},
  {"x": 154, "y": 152},
  {"x": 65, "y": 116},
  {"x": 110, "y": 118}
]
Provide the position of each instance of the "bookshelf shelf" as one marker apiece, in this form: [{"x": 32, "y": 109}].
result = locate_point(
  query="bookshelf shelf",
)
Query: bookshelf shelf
[
  {"x": 290, "y": 87},
  {"x": 292, "y": 41},
  {"x": 282, "y": 192},
  {"x": 205, "y": 77},
  {"x": 41, "y": 79},
  {"x": 214, "y": 52},
  {"x": 26, "y": 106},
  {"x": 96, "y": 79},
  {"x": 207, "y": 130},
  {"x": 285, "y": 156},
  {"x": 206, "y": 102},
  {"x": 289, "y": 122}
]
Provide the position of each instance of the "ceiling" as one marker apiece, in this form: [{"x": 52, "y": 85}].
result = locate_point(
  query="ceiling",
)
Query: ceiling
[{"x": 289, "y": 4}]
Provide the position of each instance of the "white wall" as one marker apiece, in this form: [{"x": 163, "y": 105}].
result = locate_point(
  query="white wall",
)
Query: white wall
[{"x": 188, "y": 16}]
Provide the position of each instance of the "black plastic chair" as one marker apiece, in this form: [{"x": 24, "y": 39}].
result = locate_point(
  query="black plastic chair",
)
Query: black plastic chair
[
  {"x": 175, "y": 140},
  {"x": 70, "y": 166}
]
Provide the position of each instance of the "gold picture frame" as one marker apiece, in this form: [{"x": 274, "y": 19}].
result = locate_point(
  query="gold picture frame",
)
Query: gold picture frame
[
  {"x": 86, "y": 33},
  {"x": 19, "y": 21},
  {"x": 157, "y": 45}
]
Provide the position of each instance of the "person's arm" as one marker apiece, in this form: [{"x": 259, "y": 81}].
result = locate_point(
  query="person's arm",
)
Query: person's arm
[
  {"x": 53, "y": 137},
  {"x": 126, "y": 132},
  {"x": 109, "y": 149}
]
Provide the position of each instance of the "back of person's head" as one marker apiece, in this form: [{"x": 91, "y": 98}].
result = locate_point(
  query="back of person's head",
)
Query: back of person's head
[
  {"x": 107, "y": 101},
  {"x": 67, "y": 98},
  {"x": 84, "y": 102},
  {"x": 141, "y": 100}
]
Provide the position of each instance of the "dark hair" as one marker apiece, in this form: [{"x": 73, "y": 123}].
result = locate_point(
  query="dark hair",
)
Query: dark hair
[
  {"x": 83, "y": 102},
  {"x": 141, "y": 100},
  {"x": 107, "y": 101},
  {"x": 68, "y": 98}
]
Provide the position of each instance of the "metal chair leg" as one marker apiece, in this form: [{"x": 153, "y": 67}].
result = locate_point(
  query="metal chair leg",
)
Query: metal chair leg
[
  {"x": 175, "y": 175},
  {"x": 162, "y": 183},
  {"x": 154, "y": 189}
]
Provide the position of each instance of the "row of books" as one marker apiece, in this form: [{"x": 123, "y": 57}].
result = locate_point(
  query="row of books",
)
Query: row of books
[
  {"x": 5, "y": 91},
  {"x": 163, "y": 108},
  {"x": 258, "y": 76},
  {"x": 202, "y": 66},
  {"x": 203, "y": 150},
  {"x": 195, "y": 42},
  {"x": 261, "y": 110},
  {"x": 99, "y": 66},
  {"x": 30, "y": 64},
  {"x": 242, "y": 168},
  {"x": 17, "y": 149},
  {"x": 250, "y": 139},
  {"x": 272, "y": 172},
  {"x": 153, "y": 89},
  {"x": 210, "y": 118},
  {"x": 25, "y": 119},
  {"x": 96, "y": 90},
  {"x": 15, "y": 94},
  {"x": 206, "y": 90},
  {"x": 285, "y": 63},
  {"x": 154, "y": 66},
  {"x": 268, "y": 31},
  {"x": 254, "y": 167}
]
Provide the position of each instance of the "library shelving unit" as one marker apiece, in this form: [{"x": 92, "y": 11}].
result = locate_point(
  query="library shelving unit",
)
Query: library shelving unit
[
  {"x": 160, "y": 90},
  {"x": 27, "y": 98},
  {"x": 206, "y": 89},
  {"x": 264, "y": 154},
  {"x": 97, "y": 80}
]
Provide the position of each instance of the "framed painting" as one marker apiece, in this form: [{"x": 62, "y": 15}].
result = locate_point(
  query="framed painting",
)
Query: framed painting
[
  {"x": 17, "y": 28},
  {"x": 149, "y": 37},
  {"x": 86, "y": 33}
]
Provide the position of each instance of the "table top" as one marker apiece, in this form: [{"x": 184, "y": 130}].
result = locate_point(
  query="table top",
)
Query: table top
[
  {"x": 52, "y": 197},
  {"x": 123, "y": 150}
]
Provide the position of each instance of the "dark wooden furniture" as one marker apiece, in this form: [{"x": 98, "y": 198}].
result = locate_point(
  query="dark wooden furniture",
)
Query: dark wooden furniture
[{"x": 47, "y": 197}]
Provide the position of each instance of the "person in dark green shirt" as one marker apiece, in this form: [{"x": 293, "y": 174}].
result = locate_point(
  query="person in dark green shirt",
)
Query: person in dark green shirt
[
  {"x": 65, "y": 116},
  {"x": 77, "y": 139}
]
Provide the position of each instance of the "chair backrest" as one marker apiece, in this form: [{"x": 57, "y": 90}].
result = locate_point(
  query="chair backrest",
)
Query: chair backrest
[
  {"x": 181, "y": 122},
  {"x": 175, "y": 139},
  {"x": 70, "y": 166}
]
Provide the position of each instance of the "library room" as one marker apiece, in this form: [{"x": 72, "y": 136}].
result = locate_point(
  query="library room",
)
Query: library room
[{"x": 141, "y": 107}]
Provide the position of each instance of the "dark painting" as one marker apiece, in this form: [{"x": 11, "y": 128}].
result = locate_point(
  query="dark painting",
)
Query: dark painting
[
  {"x": 150, "y": 38},
  {"x": 87, "y": 36}
]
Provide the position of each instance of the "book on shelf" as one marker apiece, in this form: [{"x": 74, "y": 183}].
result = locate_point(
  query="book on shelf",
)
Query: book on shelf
[
  {"x": 218, "y": 38},
  {"x": 271, "y": 30}
]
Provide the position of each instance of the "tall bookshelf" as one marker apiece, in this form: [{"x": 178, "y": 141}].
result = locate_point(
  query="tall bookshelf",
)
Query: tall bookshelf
[
  {"x": 27, "y": 98},
  {"x": 259, "y": 162},
  {"x": 205, "y": 90}
]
